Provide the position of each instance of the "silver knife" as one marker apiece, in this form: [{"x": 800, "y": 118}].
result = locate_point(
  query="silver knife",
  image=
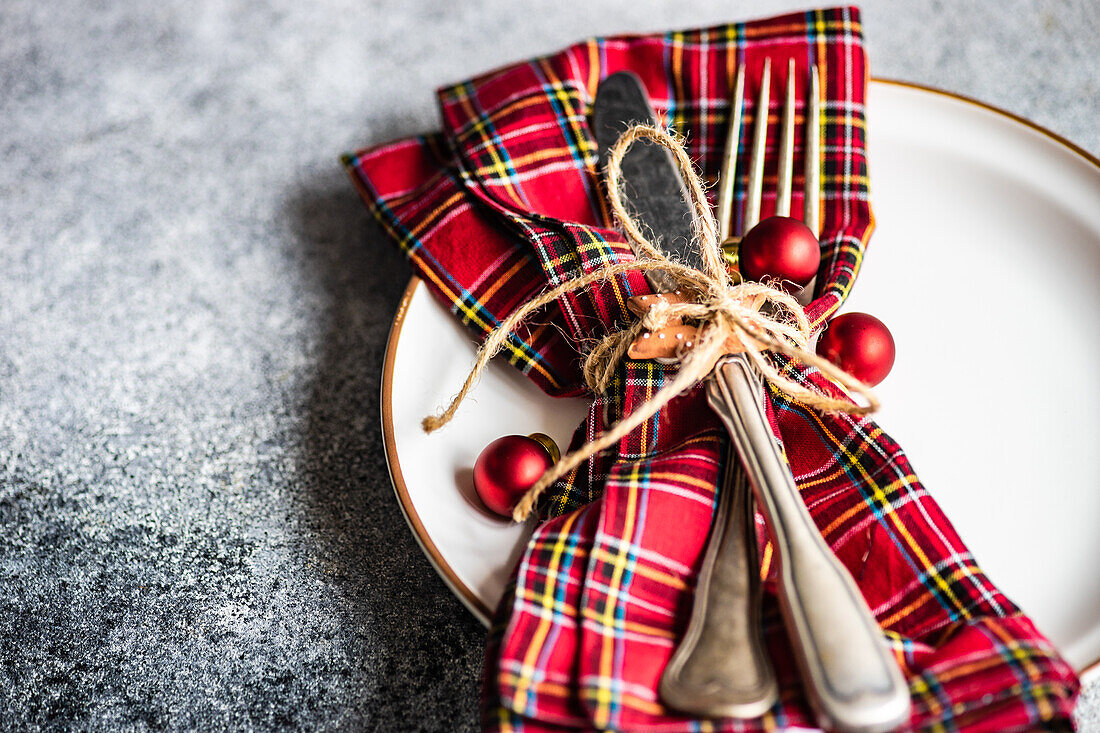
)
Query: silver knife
[{"x": 720, "y": 668}]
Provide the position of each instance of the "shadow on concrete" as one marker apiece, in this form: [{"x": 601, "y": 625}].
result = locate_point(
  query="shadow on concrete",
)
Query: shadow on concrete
[{"x": 417, "y": 654}]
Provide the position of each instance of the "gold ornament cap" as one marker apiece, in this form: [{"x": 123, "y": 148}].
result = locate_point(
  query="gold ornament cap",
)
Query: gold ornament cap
[{"x": 548, "y": 445}]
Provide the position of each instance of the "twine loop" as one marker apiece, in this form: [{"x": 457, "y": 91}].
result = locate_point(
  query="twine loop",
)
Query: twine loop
[{"x": 751, "y": 317}]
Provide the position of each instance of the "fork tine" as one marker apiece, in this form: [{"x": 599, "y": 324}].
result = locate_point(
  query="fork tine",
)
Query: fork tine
[
  {"x": 786, "y": 150},
  {"x": 729, "y": 162},
  {"x": 811, "y": 201},
  {"x": 756, "y": 162}
]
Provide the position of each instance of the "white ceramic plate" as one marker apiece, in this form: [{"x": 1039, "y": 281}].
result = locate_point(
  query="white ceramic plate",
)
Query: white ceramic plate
[{"x": 985, "y": 265}]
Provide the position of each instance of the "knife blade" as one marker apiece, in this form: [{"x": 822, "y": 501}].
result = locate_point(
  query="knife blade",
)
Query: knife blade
[{"x": 655, "y": 191}]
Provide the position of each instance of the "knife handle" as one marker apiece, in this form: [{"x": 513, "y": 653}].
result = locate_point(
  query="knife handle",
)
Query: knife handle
[
  {"x": 849, "y": 674},
  {"x": 720, "y": 668}
]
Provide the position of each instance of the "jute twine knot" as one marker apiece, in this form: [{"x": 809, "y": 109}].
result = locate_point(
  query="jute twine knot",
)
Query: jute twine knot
[{"x": 756, "y": 317}]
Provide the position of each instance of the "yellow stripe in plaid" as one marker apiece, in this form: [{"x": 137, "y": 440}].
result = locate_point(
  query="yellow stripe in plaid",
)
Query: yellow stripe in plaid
[
  {"x": 500, "y": 167},
  {"x": 1022, "y": 653},
  {"x": 958, "y": 572},
  {"x": 526, "y": 680},
  {"x": 857, "y": 263},
  {"x": 852, "y": 511},
  {"x": 523, "y": 161},
  {"x": 647, "y": 572},
  {"x": 634, "y": 627},
  {"x": 627, "y": 698},
  {"x": 434, "y": 216},
  {"x": 479, "y": 123},
  {"x": 502, "y": 280},
  {"x": 881, "y": 500},
  {"x": 601, "y": 716}
]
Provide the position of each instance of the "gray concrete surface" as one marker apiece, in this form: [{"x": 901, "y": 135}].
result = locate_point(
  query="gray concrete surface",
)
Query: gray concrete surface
[{"x": 196, "y": 526}]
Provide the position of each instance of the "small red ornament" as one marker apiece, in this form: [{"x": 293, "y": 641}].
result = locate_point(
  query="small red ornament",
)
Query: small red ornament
[
  {"x": 861, "y": 345},
  {"x": 780, "y": 247},
  {"x": 511, "y": 465}
]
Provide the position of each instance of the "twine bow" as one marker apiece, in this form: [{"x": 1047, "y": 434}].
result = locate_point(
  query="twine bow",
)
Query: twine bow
[{"x": 749, "y": 316}]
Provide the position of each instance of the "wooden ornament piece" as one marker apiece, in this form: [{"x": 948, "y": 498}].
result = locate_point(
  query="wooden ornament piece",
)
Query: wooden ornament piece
[
  {"x": 675, "y": 339},
  {"x": 639, "y": 305},
  {"x": 670, "y": 342}
]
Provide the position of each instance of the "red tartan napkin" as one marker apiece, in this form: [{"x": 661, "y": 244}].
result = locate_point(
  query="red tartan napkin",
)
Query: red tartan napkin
[{"x": 506, "y": 201}]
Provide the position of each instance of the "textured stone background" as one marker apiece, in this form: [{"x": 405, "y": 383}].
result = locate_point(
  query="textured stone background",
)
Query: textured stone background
[{"x": 196, "y": 526}]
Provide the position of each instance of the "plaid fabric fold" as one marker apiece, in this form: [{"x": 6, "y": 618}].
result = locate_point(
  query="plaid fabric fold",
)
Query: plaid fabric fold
[{"x": 506, "y": 201}]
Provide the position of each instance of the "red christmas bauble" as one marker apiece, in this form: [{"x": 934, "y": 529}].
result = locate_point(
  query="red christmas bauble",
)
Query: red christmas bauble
[
  {"x": 861, "y": 345},
  {"x": 780, "y": 247},
  {"x": 509, "y": 466}
]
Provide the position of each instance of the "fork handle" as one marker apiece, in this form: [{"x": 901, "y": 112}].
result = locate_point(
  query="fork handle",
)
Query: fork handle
[{"x": 849, "y": 674}]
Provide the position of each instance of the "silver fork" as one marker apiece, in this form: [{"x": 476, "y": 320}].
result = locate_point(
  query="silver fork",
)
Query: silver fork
[{"x": 846, "y": 667}]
